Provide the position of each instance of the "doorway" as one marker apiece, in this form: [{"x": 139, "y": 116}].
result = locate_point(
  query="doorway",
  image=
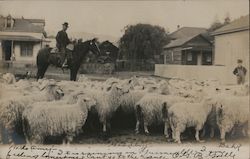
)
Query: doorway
[{"x": 7, "y": 49}]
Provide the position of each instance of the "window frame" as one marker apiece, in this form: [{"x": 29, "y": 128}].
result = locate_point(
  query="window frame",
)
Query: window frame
[{"x": 26, "y": 49}]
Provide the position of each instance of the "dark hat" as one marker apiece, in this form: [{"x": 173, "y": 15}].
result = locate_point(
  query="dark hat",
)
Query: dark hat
[
  {"x": 239, "y": 61},
  {"x": 66, "y": 24}
]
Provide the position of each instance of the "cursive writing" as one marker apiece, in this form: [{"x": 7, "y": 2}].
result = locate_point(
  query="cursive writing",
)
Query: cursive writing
[{"x": 121, "y": 151}]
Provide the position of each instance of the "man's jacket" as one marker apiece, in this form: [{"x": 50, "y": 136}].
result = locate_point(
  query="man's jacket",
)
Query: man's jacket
[{"x": 62, "y": 40}]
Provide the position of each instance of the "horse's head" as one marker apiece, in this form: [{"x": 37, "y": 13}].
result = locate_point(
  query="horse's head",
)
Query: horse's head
[{"x": 94, "y": 47}]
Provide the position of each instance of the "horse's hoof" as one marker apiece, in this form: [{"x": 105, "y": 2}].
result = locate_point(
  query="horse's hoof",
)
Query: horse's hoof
[{"x": 137, "y": 132}]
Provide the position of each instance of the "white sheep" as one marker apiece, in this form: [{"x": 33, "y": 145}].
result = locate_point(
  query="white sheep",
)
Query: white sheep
[
  {"x": 232, "y": 111},
  {"x": 152, "y": 108},
  {"x": 107, "y": 102},
  {"x": 183, "y": 115},
  {"x": 11, "y": 109},
  {"x": 56, "y": 118},
  {"x": 8, "y": 78}
]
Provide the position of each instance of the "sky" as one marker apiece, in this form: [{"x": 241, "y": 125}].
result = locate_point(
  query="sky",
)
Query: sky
[{"x": 110, "y": 17}]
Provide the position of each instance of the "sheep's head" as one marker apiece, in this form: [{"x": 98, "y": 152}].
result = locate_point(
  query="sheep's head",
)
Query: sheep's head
[
  {"x": 53, "y": 91},
  {"x": 86, "y": 101},
  {"x": 118, "y": 89}
]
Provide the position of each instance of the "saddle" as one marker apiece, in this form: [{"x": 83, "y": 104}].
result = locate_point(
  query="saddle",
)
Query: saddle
[{"x": 54, "y": 50}]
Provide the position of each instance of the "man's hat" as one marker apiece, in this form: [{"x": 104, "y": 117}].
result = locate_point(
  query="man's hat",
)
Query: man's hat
[
  {"x": 239, "y": 61},
  {"x": 66, "y": 24}
]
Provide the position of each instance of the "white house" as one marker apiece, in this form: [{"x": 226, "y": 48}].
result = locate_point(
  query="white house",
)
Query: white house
[
  {"x": 20, "y": 39},
  {"x": 231, "y": 42}
]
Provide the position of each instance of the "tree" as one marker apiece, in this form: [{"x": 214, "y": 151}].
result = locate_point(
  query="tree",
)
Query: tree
[
  {"x": 142, "y": 42},
  {"x": 217, "y": 24}
]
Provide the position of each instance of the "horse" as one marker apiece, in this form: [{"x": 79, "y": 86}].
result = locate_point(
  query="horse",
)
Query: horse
[{"x": 46, "y": 58}]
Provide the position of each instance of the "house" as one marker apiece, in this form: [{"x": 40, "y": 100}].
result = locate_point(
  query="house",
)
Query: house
[
  {"x": 20, "y": 39},
  {"x": 109, "y": 52},
  {"x": 232, "y": 43},
  {"x": 188, "y": 46}
]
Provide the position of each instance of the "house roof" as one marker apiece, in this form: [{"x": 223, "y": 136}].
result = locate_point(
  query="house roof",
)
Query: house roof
[
  {"x": 179, "y": 42},
  {"x": 187, "y": 32},
  {"x": 25, "y": 25},
  {"x": 36, "y": 20},
  {"x": 19, "y": 38},
  {"x": 237, "y": 25}
]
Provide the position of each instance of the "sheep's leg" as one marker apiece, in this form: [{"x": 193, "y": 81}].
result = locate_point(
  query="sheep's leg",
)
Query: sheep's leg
[
  {"x": 212, "y": 132},
  {"x": 137, "y": 127},
  {"x": 37, "y": 139},
  {"x": 69, "y": 139},
  {"x": 203, "y": 132},
  {"x": 222, "y": 135},
  {"x": 104, "y": 129},
  {"x": 197, "y": 134},
  {"x": 166, "y": 129},
  {"x": 233, "y": 132},
  {"x": 177, "y": 136},
  {"x": 245, "y": 131},
  {"x": 146, "y": 127},
  {"x": 9, "y": 136}
]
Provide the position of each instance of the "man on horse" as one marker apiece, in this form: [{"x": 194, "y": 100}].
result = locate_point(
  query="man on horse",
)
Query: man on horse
[{"x": 62, "y": 41}]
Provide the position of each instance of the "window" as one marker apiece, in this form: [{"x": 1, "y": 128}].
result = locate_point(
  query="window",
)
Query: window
[
  {"x": 189, "y": 56},
  {"x": 208, "y": 58},
  {"x": 26, "y": 49},
  {"x": 8, "y": 22},
  {"x": 172, "y": 55}
]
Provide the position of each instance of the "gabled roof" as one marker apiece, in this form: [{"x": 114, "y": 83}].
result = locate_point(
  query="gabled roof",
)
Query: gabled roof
[
  {"x": 187, "y": 32},
  {"x": 237, "y": 25},
  {"x": 24, "y": 25},
  {"x": 179, "y": 42}
]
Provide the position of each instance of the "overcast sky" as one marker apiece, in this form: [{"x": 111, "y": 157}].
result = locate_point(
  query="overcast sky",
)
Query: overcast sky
[{"x": 110, "y": 17}]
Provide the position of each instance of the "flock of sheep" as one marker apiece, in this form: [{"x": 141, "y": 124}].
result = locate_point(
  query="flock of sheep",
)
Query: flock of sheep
[{"x": 38, "y": 109}]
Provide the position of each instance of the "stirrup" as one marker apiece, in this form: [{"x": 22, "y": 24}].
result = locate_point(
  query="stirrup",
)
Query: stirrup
[{"x": 65, "y": 66}]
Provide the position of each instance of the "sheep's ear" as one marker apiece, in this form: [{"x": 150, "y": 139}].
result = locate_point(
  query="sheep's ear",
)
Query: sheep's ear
[
  {"x": 130, "y": 81},
  {"x": 109, "y": 88},
  {"x": 118, "y": 87}
]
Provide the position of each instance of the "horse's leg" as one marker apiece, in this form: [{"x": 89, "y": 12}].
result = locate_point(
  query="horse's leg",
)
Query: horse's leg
[
  {"x": 38, "y": 74},
  {"x": 44, "y": 70},
  {"x": 73, "y": 74}
]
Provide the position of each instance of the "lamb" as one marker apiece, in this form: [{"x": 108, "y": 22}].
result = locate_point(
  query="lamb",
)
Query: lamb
[
  {"x": 153, "y": 108},
  {"x": 107, "y": 102},
  {"x": 232, "y": 111},
  {"x": 182, "y": 115},
  {"x": 11, "y": 109},
  {"x": 56, "y": 118}
]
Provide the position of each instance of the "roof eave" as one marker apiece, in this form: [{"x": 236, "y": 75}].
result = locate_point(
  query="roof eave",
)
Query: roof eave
[
  {"x": 22, "y": 31},
  {"x": 230, "y": 31}
]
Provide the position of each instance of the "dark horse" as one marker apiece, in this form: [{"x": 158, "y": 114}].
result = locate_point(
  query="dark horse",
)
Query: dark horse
[{"x": 45, "y": 58}]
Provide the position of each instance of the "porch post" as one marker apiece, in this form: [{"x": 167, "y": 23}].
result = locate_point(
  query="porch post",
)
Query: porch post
[{"x": 12, "y": 49}]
